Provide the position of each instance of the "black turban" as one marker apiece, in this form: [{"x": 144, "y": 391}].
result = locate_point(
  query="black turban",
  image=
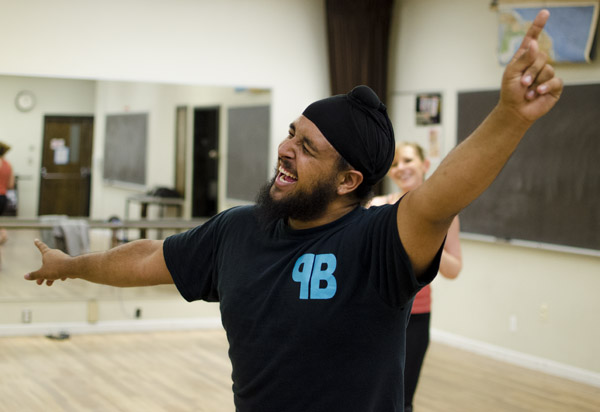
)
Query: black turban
[{"x": 358, "y": 127}]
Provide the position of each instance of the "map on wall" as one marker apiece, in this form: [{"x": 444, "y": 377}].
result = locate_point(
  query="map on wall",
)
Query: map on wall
[{"x": 567, "y": 37}]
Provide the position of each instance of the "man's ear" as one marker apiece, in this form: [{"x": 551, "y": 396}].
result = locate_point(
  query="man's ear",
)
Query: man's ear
[{"x": 349, "y": 181}]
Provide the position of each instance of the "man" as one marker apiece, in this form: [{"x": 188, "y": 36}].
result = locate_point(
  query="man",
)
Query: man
[{"x": 315, "y": 290}]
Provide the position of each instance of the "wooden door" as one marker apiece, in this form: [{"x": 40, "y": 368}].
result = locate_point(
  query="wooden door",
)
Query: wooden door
[
  {"x": 65, "y": 184},
  {"x": 206, "y": 162}
]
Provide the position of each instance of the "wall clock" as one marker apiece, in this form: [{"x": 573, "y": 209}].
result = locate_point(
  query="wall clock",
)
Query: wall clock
[{"x": 25, "y": 100}]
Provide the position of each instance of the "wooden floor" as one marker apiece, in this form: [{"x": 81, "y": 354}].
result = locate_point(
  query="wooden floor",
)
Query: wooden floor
[{"x": 190, "y": 371}]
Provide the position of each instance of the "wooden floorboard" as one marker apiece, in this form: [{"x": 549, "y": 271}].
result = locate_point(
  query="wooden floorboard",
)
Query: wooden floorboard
[{"x": 190, "y": 371}]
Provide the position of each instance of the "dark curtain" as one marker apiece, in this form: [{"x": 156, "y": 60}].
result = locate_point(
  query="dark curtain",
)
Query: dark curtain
[{"x": 358, "y": 38}]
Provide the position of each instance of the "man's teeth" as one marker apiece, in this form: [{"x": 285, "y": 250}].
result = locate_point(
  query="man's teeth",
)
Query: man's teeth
[{"x": 286, "y": 173}]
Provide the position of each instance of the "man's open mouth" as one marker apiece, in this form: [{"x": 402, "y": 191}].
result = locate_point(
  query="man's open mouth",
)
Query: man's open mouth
[{"x": 285, "y": 176}]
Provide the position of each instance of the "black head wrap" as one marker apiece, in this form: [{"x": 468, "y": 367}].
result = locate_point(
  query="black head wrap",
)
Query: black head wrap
[{"x": 358, "y": 127}]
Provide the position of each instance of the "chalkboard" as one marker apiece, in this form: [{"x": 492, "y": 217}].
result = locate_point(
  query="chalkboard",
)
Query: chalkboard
[
  {"x": 125, "y": 148},
  {"x": 549, "y": 191},
  {"x": 248, "y": 151}
]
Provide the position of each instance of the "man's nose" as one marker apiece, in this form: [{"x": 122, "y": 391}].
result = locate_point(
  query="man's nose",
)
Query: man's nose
[{"x": 286, "y": 148}]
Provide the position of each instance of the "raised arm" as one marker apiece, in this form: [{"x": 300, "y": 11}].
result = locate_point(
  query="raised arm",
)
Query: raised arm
[
  {"x": 529, "y": 90},
  {"x": 138, "y": 263}
]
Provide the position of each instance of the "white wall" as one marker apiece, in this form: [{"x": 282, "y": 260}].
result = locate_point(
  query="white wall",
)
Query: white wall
[
  {"x": 450, "y": 46},
  {"x": 24, "y": 131}
]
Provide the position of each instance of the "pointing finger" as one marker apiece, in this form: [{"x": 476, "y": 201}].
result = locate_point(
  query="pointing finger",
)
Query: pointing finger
[{"x": 535, "y": 29}]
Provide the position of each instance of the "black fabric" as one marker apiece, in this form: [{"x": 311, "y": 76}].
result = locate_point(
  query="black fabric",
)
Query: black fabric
[
  {"x": 3, "y": 203},
  {"x": 358, "y": 127},
  {"x": 417, "y": 341},
  {"x": 294, "y": 352}
]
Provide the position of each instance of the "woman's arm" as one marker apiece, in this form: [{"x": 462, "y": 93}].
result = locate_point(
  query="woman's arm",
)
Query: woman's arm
[
  {"x": 138, "y": 263},
  {"x": 11, "y": 179},
  {"x": 451, "y": 262}
]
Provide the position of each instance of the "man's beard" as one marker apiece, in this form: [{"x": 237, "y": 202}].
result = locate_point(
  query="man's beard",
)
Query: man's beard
[{"x": 302, "y": 205}]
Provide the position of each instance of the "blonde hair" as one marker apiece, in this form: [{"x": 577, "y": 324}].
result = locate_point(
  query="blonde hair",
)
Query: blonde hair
[{"x": 418, "y": 149}]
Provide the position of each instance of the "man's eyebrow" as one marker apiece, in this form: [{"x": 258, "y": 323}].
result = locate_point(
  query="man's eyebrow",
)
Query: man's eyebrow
[
  {"x": 310, "y": 144},
  {"x": 305, "y": 139}
]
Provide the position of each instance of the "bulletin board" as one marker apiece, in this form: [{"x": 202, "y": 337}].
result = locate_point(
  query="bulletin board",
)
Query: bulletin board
[
  {"x": 549, "y": 191},
  {"x": 248, "y": 151},
  {"x": 125, "y": 147}
]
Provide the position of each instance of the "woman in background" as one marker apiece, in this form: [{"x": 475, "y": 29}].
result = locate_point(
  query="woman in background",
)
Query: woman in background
[
  {"x": 408, "y": 171},
  {"x": 7, "y": 181}
]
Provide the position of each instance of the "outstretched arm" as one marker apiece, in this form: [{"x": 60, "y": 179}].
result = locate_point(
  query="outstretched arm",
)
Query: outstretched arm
[
  {"x": 138, "y": 263},
  {"x": 529, "y": 90}
]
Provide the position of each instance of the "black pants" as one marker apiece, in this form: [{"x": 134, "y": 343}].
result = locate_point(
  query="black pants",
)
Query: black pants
[
  {"x": 417, "y": 341},
  {"x": 3, "y": 202}
]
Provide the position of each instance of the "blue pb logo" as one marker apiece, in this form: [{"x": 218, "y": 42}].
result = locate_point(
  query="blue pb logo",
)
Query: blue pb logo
[{"x": 315, "y": 275}]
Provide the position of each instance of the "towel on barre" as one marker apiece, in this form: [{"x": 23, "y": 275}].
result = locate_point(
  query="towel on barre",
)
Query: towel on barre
[
  {"x": 75, "y": 233},
  {"x": 69, "y": 235},
  {"x": 47, "y": 235}
]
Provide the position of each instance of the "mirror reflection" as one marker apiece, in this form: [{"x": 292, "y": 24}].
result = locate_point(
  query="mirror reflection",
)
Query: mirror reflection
[{"x": 103, "y": 150}]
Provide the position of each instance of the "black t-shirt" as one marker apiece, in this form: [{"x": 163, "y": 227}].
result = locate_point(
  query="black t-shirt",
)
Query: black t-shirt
[{"x": 315, "y": 318}]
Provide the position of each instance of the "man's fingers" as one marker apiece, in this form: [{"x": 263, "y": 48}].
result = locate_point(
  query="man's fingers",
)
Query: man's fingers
[
  {"x": 527, "y": 65},
  {"x": 534, "y": 62},
  {"x": 32, "y": 276},
  {"x": 533, "y": 33},
  {"x": 535, "y": 29},
  {"x": 42, "y": 247},
  {"x": 535, "y": 75},
  {"x": 552, "y": 87},
  {"x": 546, "y": 74}
]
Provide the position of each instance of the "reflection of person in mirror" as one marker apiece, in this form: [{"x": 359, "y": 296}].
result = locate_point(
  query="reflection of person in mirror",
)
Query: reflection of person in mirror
[
  {"x": 7, "y": 181},
  {"x": 408, "y": 172},
  {"x": 314, "y": 289}
]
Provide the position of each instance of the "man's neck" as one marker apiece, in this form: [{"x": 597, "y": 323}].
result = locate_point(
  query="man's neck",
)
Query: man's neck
[{"x": 334, "y": 211}]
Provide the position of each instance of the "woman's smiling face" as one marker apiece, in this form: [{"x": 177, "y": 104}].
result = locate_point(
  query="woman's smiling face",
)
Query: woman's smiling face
[{"x": 408, "y": 168}]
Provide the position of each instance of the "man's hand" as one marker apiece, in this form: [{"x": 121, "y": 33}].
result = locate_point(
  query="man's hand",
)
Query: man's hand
[
  {"x": 529, "y": 87},
  {"x": 52, "y": 262}
]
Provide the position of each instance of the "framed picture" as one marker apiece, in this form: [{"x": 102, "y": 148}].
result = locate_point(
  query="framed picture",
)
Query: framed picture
[{"x": 428, "y": 109}]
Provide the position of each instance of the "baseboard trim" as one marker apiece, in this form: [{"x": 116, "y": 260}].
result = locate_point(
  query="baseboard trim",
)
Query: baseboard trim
[
  {"x": 517, "y": 358},
  {"x": 122, "y": 326}
]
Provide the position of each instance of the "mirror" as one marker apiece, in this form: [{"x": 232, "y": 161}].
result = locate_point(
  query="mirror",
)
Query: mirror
[{"x": 173, "y": 116}]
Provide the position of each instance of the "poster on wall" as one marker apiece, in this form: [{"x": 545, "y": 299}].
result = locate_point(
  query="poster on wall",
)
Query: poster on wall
[
  {"x": 434, "y": 146},
  {"x": 428, "y": 109},
  {"x": 428, "y": 120},
  {"x": 567, "y": 37}
]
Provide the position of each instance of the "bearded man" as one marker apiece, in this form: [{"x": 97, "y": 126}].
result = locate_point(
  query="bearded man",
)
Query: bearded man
[{"x": 314, "y": 289}]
